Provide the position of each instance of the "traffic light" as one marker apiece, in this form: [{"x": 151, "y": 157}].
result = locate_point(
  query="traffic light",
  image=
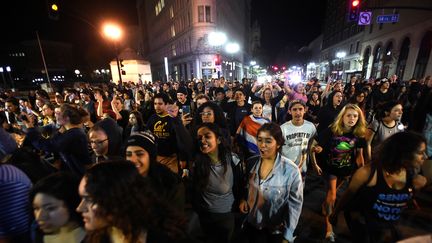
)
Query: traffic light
[
  {"x": 123, "y": 72},
  {"x": 353, "y": 10},
  {"x": 217, "y": 60},
  {"x": 53, "y": 9}
]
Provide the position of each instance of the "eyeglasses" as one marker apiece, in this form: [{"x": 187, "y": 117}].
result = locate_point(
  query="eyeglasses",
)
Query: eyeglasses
[
  {"x": 208, "y": 113},
  {"x": 98, "y": 143}
]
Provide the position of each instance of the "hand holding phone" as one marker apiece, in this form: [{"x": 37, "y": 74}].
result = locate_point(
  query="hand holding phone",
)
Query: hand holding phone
[{"x": 186, "y": 109}]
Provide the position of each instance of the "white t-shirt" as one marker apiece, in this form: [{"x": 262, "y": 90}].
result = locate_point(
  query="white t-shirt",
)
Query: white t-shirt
[
  {"x": 297, "y": 141},
  {"x": 267, "y": 112}
]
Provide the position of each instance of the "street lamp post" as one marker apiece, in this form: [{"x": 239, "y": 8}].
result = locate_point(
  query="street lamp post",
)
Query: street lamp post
[
  {"x": 232, "y": 48},
  {"x": 217, "y": 39},
  {"x": 114, "y": 33},
  {"x": 252, "y": 64},
  {"x": 340, "y": 55},
  {"x": 9, "y": 70},
  {"x": 4, "y": 79}
]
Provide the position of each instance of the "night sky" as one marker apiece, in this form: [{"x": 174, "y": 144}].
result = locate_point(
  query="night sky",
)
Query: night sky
[
  {"x": 283, "y": 22},
  {"x": 288, "y": 23}
]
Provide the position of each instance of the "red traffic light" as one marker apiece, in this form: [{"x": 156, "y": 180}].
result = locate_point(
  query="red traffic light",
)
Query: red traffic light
[
  {"x": 355, "y": 3},
  {"x": 353, "y": 10},
  {"x": 217, "y": 60}
]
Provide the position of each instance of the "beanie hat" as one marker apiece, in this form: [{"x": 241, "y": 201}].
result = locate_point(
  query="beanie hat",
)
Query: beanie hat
[
  {"x": 182, "y": 90},
  {"x": 145, "y": 140}
]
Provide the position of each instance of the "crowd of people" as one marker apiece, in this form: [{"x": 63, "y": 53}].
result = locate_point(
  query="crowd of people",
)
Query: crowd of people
[{"x": 211, "y": 161}]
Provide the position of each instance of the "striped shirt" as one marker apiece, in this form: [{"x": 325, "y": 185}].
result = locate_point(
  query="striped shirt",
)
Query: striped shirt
[{"x": 14, "y": 201}]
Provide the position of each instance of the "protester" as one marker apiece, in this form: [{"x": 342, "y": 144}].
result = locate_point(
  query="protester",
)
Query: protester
[
  {"x": 71, "y": 142},
  {"x": 380, "y": 191},
  {"x": 386, "y": 123},
  {"x": 299, "y": 135},
  {"x": 105, "y": 139},
  {"x": 54, "y": 200},
  {"x": 125, "y": 209},
  {"x": 275, "y": 191},
  {"x": 343, "y": 145},
  {"x": 141, "y": 149},
  {"x": 217, "y": 176},
  {"x": 248, "y": 130}
]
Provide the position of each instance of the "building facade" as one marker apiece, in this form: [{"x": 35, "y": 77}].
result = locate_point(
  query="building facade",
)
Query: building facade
[
  {"x": 379, "y": 49},
  {"x": 178, "y": 30}
]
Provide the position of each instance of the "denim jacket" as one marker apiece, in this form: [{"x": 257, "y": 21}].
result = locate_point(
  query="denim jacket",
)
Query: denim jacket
[{"x": 276, "y": 202}]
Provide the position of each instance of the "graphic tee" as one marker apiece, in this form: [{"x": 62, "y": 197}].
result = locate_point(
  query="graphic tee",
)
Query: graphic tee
[
  {"x": 341, "y": 152},
  {"x": 297, "y": 141}
]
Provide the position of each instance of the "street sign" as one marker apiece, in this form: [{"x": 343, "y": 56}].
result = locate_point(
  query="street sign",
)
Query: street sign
[
  {"x": 390, "y": 18},
  {"x": 365, "y": 18}
]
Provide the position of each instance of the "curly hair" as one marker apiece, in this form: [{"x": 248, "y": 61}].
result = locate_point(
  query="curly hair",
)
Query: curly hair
[
  {"x": 359, "y": 129},
  {"x": 397, "y": 151},
  {"x": 128, "y": 200}
]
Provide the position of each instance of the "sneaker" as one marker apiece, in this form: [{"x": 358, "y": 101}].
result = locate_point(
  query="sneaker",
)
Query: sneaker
[{"x": 330, "y": 236}]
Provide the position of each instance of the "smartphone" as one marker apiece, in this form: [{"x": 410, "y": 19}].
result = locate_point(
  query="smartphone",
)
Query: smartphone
[{"x": 186, "y": 109}]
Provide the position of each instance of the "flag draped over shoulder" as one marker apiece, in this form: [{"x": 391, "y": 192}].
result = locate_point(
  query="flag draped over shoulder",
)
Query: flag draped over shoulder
[{"x": 248, "y": 130}]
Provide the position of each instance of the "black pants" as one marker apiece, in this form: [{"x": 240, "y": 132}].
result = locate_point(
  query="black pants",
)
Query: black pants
[
  {"x": 367, "y": 232},
  {"x": 218, "y": 227},
  {"x": 261, "y": 236}
]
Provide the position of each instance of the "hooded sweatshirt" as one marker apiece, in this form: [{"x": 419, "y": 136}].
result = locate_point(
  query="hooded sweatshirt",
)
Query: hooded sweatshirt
[{"x": 114, "y": 135}]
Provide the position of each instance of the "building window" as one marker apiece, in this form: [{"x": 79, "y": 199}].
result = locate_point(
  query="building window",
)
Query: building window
[
  {"x": 207, "y": 14},
  {"x": 201, "y": 13},
  {"x": 351, "y": 49},
  {"x": 357, "y": 46},
  {"x": 189, "y": 19},
  {"x": 204, "y": 13},
  {"x": 171, "y": 12},
  {"x": 173, "y": 50},
  {"x": 403, "y": 57},
  {"x": 159, "y": 6},
  {"x": 423, "y": 55},
  {"x": 173, "y": 33}
]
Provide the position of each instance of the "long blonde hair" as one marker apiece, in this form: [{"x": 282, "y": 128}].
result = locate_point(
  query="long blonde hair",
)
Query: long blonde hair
[{"x": 360, "y": 126}]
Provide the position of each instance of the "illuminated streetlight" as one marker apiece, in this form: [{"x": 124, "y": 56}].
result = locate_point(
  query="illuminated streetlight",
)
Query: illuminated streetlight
[
  {"x": 217, "y": 38},
  {"x": 114, "y": 33},
  {"x": 340, "y": 55},
  {"x": 232, "y": 48},
  {"x": 252, "y": 63},
  {"x": 2, "y": 74}
]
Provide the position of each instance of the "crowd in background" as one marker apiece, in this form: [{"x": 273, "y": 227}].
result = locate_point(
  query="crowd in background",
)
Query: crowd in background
[{"x": 145, "y": 162}]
